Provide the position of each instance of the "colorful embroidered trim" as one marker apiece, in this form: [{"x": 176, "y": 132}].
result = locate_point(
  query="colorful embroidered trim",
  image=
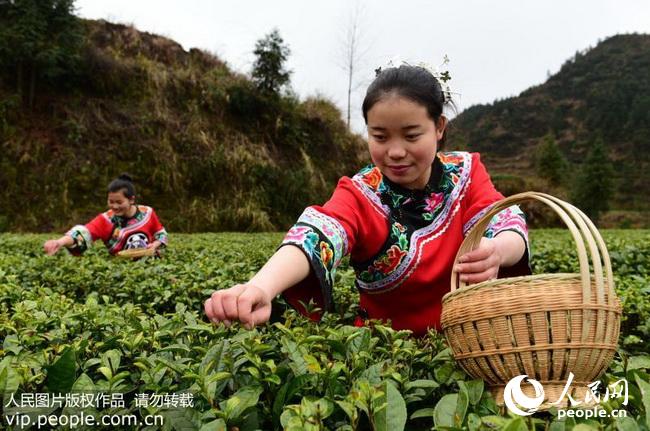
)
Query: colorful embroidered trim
[
  {"x": 400, "y": 251},
  {"x": 81, "y": 237},
  {"x": 323, "y": 240}
]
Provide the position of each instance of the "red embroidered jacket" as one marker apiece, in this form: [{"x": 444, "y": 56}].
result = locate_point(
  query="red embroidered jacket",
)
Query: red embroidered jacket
[{"x": 401, "y": 242}]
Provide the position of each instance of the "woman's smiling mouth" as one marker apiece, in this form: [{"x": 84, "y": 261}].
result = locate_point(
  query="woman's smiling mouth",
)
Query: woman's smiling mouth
[{"x": 399, "y": 169}]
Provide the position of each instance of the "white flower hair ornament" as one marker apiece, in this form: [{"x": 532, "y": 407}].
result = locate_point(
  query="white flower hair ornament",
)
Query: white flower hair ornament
[{"x": 449, "y": 97}]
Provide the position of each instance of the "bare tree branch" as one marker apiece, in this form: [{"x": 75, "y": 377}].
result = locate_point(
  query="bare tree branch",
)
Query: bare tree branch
[{"x": 354, "y": 49}]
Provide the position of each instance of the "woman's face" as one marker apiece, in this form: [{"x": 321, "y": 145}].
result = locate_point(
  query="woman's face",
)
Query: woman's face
[
  {"x": 119, "y": 203},
  {"x": 403, "y": 140}
]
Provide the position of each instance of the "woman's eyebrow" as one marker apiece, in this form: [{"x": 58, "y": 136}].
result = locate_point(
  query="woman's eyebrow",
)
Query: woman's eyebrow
[{"x": 405, "y": 128}]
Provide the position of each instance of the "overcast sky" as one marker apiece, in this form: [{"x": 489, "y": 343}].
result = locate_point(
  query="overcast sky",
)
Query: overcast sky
[{"x": 496, "y": 48}]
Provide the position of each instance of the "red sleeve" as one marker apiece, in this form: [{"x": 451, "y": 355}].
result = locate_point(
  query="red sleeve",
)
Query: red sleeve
[
  {"x": 326, "y": 234},
  {"x": 84, "y": 235},
  {"x": 157, "y": 230},
  {"x": 361, "y": 220},
  {"x": 155, "y": 222},
  {"x": 160, "y": 233},
  {"x": 100, "y": 228},
  {"x": 480, "y": 195}
]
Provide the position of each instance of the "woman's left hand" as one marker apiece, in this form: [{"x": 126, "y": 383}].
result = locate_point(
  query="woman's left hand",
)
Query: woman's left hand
[
  {"x": 481, "y": 263},
  {"x": 155, "y": 245}
]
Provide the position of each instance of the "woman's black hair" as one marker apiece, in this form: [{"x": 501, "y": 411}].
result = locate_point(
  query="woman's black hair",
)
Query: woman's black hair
[
  {"x": 414, "y": 83},
  {"x": 123, "y": 183}
]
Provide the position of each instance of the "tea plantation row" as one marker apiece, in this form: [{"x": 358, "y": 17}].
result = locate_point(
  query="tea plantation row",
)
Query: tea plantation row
[{"x": 97, "y": 324}]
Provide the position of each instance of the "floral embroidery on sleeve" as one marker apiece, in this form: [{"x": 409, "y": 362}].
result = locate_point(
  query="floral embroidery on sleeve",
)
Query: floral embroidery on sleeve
[
  {"x": 161, "y": 236},
  {"x": 511, "y": 218},
  {"x": 324, "y": 242},
  {"x": 81, "y": 237}
]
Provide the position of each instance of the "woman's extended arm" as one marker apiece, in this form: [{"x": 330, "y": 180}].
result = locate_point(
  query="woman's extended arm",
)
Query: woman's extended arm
[
  {"x": 250, "y": 303},
  {"x": 54, "y": 245}
]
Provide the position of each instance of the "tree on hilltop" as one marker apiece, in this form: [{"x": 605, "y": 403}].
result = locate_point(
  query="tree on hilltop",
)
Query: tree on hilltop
[
  {"x": 550, "y": 162},
  {"x": 269, "y": 71},
  {"x": 594, "y": 186}
]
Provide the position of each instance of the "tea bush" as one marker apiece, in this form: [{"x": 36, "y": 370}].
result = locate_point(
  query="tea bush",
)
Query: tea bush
[{"x": 97, "y": 324}]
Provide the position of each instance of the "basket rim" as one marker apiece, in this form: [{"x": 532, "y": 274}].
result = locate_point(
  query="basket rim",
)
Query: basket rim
[
  {"x": 582, "y": 229},
  {"x": 508, "y": 280},
  {"x": 136, "y": 252}
]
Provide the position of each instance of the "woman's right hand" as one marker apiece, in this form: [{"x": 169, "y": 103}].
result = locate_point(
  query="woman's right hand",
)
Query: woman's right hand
[
  {"x": 52, "y": 246},
  {"x": 244, "y": 302}
]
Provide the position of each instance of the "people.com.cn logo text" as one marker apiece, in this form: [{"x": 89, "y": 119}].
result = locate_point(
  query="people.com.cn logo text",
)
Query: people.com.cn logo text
[{"x": 521, "y": 404}]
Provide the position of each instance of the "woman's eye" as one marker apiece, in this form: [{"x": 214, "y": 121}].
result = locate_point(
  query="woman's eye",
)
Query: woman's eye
[
  {"x": 413, "y": 137},
  {"x": 378, "y": 137}
]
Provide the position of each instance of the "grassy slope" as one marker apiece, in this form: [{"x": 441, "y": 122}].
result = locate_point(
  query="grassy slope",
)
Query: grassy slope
[{"x": 205, "y": 147}]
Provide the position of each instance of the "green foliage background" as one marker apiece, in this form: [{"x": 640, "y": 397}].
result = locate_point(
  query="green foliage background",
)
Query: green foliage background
[{"x": 97, "y": 323}]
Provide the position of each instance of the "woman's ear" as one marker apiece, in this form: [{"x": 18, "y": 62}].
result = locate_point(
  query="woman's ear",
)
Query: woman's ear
[
  {"x": 132, "y": 200},
  {"x": 441, "y": 125}
]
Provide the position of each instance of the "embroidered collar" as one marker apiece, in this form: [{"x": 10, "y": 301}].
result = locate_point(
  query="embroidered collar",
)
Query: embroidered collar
[
  {"x": 409, "y": 212},
  {"x": 122, "y": 221},
  {"x": 414, "y": 207}
]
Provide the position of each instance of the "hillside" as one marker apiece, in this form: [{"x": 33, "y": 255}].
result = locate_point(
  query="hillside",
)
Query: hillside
[
  {"x": 206, "y": 149},
  {"x": 601, "y": 92},
  {"x": 211, "y": 153}
]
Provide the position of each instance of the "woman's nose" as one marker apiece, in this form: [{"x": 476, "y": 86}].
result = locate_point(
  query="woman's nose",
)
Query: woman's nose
[{"x": 396, "y": 151}]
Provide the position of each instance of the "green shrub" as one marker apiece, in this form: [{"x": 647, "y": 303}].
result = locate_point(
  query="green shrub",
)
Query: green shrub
[{"x": 102, "y": 324}]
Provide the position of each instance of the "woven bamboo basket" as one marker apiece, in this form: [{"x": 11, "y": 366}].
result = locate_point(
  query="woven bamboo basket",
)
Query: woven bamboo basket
[
  {"x": 543, "y": 326},
  {"x": 134, "y": 253}
]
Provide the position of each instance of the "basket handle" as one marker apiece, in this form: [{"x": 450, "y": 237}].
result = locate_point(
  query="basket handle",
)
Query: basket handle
[{"x": 570, "y": 215}]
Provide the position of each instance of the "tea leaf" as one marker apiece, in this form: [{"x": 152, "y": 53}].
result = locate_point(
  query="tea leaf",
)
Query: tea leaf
[
  {"x": 61, "y": 375},
  {"x": 243, "y": 399},
  {"x": 391, "y": 414}
]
